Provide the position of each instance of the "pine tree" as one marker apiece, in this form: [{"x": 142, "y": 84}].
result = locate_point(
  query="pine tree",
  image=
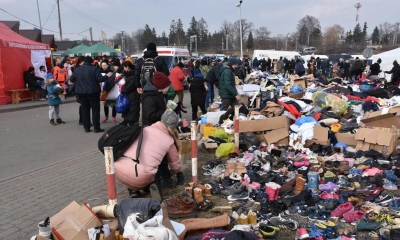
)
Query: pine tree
[
  {"x": 364, "y": 32},
  {"x": 250, "y": 41},
  {"x": 357, "y": 34},
  {"x": 172, "y": 32},
  {"x": 180, "y": 33},
  {"x": 375, "y": 36}
]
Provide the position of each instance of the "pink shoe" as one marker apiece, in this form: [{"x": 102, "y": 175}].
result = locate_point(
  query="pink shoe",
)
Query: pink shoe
[
  {"x": 114, "y": 120},
  {"x": 342, "y": 209},
  {"x": 104, "y": 119},
  {"x": 370, "y": 172},
  {"x": 301, "y": 233},
  {"x": 270, "y": 190},
  {"x": 353, "y": 216}
]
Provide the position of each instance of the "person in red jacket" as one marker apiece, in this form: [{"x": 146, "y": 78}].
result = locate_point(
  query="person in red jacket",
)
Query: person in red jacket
[{"x": 176, "y": 76}]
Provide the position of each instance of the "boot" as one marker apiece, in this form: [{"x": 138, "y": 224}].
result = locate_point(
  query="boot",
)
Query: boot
[
  {"x": 192, "y": 224},
  {"x": 243, "y": 219},
  {"x": 252, "y": 217},
  {"x": 256, "y": 207},
  {"x": 312, "y": 178},
  {"x": 174, "y": 201},
  {"x": 60, "y": 121},
  {"x": 184, "y": 208},
  {"x": 270, "y": 190},
  {"x": 300, "y": 183},
  {"x": 180, "y": 179},
  {"x": 201, "y": 186},
  {"x": 241, "y": 168},
  {"x": 230, "y": 168},
  {"x": 207, "y": 190},
  {"x": 52, "y": 122},
  {"x": 202, "y": 204}
]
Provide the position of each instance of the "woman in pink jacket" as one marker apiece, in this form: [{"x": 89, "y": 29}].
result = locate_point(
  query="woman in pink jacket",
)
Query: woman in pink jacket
[{"x": 159, "y": 140}]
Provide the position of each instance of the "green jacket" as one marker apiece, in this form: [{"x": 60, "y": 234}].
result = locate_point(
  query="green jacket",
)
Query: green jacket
[
  {"x": 204, "y": 70},
  {"x": 227, "y": 87},
  {"x": 171, "y": 93}
]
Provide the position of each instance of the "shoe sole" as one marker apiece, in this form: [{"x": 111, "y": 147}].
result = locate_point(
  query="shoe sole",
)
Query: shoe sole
[
  {"x": 384, "y": 202},
  {"x": 235, "y": 199},
  {"x": 222, "y": 209},
  {"x": 194, "y": 214},
  {"x": 155, "y": 193}
]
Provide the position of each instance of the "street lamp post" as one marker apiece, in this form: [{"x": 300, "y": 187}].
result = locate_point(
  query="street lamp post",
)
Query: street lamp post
[{"x": 239, "y": 5}]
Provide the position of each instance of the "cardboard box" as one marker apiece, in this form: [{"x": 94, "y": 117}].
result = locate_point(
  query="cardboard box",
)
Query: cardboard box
[
  {"x": 382, "y": 121},
  {"x": 272, "y": 130},
  {"x": 393, "y": 110},
  {"x": 347, "y": 138},
  {"x": 320, "y": 136},
  {"x": 73, "y": 222},
  {"x": 300, "y": 81},
  {"x": 244, "y": 100},
  {"x": 297, "y": 95}
]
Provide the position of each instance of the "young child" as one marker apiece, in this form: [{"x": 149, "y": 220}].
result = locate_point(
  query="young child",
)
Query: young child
[
  {"x": 53, "y": 88},
  {"x": 198, "y": 90}
]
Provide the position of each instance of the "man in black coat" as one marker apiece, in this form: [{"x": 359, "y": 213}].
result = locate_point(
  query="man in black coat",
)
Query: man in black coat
[
  {"x": 87, "y": 79},
  {"x": 212, "y": 78},
  {"x": 35, "y": 83}
]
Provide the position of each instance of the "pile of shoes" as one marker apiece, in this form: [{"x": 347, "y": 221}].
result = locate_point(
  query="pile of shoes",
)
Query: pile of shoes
[{"x": 320, "y": 194}]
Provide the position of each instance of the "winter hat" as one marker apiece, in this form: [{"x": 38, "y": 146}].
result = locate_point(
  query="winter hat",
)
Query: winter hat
[
  {"x": 180, "y": 64},
  {"x": 379, "y": 60},
  {"x": 170, "y": 119},
  {"x": 128, "y": 64},
  {"x": 160, "y": 80},
  {"x": 151, "y": 46},
  {"x": 88, "y": 59},
  {"x": 116, "y": 62},
  {"x": 129, "y": 59},
  {"x": 233, "y": 61}
]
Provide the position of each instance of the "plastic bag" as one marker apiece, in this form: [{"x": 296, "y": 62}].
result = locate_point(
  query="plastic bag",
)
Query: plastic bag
[
  {"x": 220, "y": 133},
  {"x": 322, "y": 99},
  {"x": 296, "y": 89},
  {"x": 114, "y": 93},
  {"x": 224, "y": 149},
  {"x": 122, "y": 104}
]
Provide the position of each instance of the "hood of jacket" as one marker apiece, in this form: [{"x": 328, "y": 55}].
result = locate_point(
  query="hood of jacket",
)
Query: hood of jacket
[
  {"x": 150, "y": 54},
  {"x": 149, "y": 87},
  {"x": 225, "y": 68}
]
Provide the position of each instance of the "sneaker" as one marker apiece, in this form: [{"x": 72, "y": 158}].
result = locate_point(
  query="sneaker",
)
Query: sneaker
[
  {"x": 268, "y": 232},
  {"x": 234, "y": 189},
  {"x": 341, "y": 209},
  {"x": 395, "y": 205},
  {"x": 240, "y": 196},
  {"x": 284, "y": 222},
  {"x": 353, "y": 216},
  {"x": 383, "y": 200},
  {"x": 367, "y": 225},
  {"x": 385, "y": 218},
  {"x": 114, "y": 120},
  {"x": 52, "y": 122},
  {"x": 388, "y": 185},
  {"x": 295, "y": 209},
  {"x": 301, "y": 233},
  {"x": 211, "y": 164},
  {"x": 343, "y": 183},
  {"x": 60, "y": 121},
  {"x": 236, "y": 177},
  {"x": 328, "y": 204},
  {"x": 105, "y": 119},
  {"x": 329, "y": 187},
  {"x": 320, "y": 216},
  {"x": 216, "y": 170},
  {"x": 317, "y": 230}
]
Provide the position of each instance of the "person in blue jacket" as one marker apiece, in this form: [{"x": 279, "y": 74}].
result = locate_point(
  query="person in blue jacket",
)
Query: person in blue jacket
[{"x": 53, "y": 89}]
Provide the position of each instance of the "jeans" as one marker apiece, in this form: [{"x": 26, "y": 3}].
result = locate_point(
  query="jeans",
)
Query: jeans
[
  {"x": 210, "y": 94},
  {"x": 90, "y": 101},
  {"x": 54, "y": 111},
  {"x": 42, "y": 91}
]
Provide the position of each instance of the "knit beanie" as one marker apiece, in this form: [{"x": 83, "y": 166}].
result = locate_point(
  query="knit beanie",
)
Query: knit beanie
[
  {"x": 160, "y": 80},
  {"x": 170, "y": 119},
  {"x": 151, "y": 46},
  {"x": 116, "y": 62},
  {"x": 379, "y": 60},
  {"x": 233, "y": 61}
]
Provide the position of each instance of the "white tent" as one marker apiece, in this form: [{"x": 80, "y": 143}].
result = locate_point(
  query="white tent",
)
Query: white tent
[{"x": 387, "y": 60}]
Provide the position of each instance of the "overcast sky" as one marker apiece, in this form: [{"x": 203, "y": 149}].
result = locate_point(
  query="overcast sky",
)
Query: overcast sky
[{"x": 111, "y": 16}]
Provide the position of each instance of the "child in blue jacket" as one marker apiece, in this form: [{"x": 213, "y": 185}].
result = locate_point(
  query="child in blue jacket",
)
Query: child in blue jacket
[{"x": 53, "y": 88}]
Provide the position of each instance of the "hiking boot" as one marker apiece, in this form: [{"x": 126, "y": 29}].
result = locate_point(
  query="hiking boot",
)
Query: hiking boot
[
  {"x": 268, "y": 232},
  {"x": 184, "y": 208},
  {"x": 243, "y": 219},
  {"x": 211, "y": 164},
  {"x": 284, "y": 222},
  {"x": 300, "y": 183},
  {"x": 252, "y": 217},
  {"x": 60, "y": 121},
  {"x": 180, "y": 179},
  {"x": 175, "y": 201},
  {"x": 52, "y": 122}
]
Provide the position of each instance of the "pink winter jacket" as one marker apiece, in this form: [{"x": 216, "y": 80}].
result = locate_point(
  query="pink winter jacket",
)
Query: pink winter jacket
[{"x": 156, "y": 144}]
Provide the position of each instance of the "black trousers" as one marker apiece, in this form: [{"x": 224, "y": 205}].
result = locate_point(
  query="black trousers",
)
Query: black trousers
[
  {"x": 107, "y": 111},
  {"x": 196, "y": 108},
  {"x": 88, "y": 102}
]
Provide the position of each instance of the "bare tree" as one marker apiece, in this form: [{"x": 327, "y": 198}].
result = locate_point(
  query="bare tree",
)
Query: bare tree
[
  {"x": 226, "y": 28},
  {"x": 247, "y": 26},
  {"x": 138, "y": 38},
  {"x": 262, "y": 37},
  {"x": 332, "y": 37},
  {"x": 305, "y": 27}
]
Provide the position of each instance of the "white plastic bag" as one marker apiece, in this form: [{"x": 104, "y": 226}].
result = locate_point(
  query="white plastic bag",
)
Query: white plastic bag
[
  {"x": 152, "y": 229},
  {"x": 114, "y": 93}
]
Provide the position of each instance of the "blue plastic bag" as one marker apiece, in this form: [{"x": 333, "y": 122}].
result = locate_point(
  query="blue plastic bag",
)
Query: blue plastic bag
[{"x": 122, "y": 104}]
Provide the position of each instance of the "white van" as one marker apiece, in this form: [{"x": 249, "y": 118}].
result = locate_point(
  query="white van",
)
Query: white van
[
  {"x": 309, "y": 50},
  {"x": 273, "y": 54},
  {"x": 173, "y": 55}
]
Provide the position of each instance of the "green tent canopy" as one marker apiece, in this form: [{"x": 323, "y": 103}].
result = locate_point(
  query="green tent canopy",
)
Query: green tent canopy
[
  {"x": 99, "y": 49},
  {"x": 73, "y": 51}
]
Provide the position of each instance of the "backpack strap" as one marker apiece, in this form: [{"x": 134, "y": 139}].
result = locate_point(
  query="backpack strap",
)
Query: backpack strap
[
  {"x": 154, "y": 63},
  {"x": 139, "y": 146}
]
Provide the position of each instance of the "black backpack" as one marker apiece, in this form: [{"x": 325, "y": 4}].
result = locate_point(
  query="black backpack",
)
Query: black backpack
[
  {"x": 148, "y": 70},
  {"x": 120, "y": 138}
]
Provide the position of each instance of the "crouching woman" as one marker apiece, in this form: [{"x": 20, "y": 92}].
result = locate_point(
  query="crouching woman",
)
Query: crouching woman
[{"x": 160, "y": 140}]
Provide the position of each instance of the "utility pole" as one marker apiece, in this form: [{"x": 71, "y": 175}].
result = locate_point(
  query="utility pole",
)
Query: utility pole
[
  {"x": 227, "y": 37},
  {"x": 40, "y": 20},
  {"x": 222, "y": 44},
  {"x": 59, "y": 19},
  {"x": 91, "y": 36},
  {"x": 122, "y": 41}
]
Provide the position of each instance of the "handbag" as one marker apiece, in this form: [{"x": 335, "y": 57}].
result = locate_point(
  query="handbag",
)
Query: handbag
[
  {"x": 123, "y": 103},
  {"x": 103, "y": 96},
  {"x": 114, "y": 93}
]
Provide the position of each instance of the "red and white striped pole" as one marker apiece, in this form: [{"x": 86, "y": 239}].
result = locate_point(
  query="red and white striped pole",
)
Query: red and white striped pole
[
  {"x": 193, "y": 132},
  {"x": 110, "y": 175},
  {"x": 236, "y": 125}
]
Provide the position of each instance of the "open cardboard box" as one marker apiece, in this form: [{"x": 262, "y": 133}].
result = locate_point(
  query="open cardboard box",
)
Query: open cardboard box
[
  {"x": 272, "y": 130},
  {"x": 320, "y": 136},
  {"x": 301, "y": 81},
  {"x": 297, "y": 95},
  {"x": 393, "y": 110},
  {"x": 347, "y": 138}
]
